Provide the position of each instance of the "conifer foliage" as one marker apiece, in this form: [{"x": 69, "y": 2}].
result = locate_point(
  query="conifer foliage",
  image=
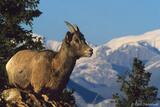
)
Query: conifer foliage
[
  {"x": 16, "y": 18},
  {"x": 136, "y": 91}
]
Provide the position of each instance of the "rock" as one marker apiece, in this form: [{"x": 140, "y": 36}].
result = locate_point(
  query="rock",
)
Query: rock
[
  {"x": 12, "y": 95},
  {"x": 18, "y": 98}
]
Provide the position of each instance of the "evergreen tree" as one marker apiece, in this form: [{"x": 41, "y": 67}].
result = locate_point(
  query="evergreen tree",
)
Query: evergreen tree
[
  {"x": 67, "y": 98},
  {"x": 135, "y": 88},
  {"x": 16, "y": 18}
]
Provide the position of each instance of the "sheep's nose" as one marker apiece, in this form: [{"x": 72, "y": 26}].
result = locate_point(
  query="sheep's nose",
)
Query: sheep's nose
[{"x": 91, "y": 50}]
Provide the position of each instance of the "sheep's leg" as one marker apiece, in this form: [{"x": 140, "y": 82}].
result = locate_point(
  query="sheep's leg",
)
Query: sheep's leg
[
  {"x": 34, "y": 99},
  {"x": 46, "y": 99}
]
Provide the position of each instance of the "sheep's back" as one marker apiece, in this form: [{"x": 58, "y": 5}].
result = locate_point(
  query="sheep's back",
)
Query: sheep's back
[{"x": 20, "y": 66}]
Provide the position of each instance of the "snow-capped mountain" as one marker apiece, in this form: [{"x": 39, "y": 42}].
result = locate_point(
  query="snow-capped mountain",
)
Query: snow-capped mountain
[
  {"x": 99, "y": 72},
  {"x": 152, "y": 38}
]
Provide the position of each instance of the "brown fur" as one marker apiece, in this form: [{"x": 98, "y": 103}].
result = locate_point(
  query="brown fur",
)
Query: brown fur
[{"x": 47, "y": 71}]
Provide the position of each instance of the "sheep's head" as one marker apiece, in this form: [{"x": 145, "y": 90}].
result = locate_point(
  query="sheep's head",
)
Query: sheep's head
[{"x": 76, "y": 42}]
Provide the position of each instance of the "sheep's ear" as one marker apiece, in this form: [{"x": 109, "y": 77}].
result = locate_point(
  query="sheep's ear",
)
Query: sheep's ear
[
  {"x": 76, "y": 28},
  {"x": 68, "y": 37}
]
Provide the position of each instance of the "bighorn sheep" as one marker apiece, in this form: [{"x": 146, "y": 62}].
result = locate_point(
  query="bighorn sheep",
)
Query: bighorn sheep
[{"x": 47, "y": 72}]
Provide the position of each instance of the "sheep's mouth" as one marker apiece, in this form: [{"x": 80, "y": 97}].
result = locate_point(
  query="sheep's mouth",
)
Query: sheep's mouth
[{"x": 88, "y": 54}]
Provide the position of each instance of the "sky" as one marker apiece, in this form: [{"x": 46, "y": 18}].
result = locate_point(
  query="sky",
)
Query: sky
[{"x": 99, "y": 20}]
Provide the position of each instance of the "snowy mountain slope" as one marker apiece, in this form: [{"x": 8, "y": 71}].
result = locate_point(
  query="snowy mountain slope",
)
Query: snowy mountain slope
[
  {"x": 153, "y": 38},
  {"x": 153, "y": 66},
  {"x": 99, "y": 73},
  {"x": 144, "y": 51},
  {"x": 86, "y": 94},
  {"x": 53, "y": 45}
]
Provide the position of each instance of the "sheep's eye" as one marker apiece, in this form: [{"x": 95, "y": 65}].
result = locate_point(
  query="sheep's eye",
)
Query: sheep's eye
[{"x": 77, "y": 41}]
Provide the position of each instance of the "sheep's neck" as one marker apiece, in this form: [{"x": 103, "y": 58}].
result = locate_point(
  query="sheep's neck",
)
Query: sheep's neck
[{"x": 63, "y": 64}]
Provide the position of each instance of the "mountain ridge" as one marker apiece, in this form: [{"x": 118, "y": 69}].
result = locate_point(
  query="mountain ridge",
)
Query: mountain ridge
[{"x": 99, "y": 73}]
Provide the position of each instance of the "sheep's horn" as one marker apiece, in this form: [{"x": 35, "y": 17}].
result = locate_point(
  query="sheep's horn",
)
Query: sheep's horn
[{"x": 70, "y": 26}]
